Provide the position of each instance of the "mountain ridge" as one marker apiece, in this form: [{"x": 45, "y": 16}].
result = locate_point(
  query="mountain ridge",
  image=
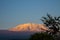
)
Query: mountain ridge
[{"x": 29, "y": 27}]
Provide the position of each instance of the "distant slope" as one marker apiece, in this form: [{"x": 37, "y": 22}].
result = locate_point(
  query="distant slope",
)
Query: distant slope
[{"x": 14, "y": 35}]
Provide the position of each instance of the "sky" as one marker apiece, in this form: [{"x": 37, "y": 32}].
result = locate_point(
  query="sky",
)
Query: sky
[{"x": 14, "y": 12}]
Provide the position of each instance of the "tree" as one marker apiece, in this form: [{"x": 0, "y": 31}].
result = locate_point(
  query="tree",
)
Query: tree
[
  {"x": 52, "y": 23},
  {"x": 41, "y": 36}
]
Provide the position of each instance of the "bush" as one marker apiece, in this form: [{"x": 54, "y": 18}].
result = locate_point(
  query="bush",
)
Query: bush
[{"x": 41, "y": 36}]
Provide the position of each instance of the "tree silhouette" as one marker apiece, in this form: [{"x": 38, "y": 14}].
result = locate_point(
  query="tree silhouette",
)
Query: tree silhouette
[
  {"x": 41, "y": 36},
  {"x": 52, "y": 23}
]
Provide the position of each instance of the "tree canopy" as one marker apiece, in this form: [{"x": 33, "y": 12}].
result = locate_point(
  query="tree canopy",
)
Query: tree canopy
[{"x": 52, "y": 23}]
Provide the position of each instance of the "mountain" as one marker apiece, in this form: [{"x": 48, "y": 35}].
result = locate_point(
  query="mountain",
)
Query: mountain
[
  {"x": 22, "y": 31},
  {"x": 31, "y": 27}
]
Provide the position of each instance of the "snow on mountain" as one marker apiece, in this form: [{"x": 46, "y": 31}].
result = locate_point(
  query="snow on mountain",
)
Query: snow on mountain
[{"x": 29, "y": 27}]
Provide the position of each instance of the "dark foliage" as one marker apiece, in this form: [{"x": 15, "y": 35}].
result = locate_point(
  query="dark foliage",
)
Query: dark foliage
[
  {"x": 41, "y": 36},
  {"x": 52, "y": 23}
]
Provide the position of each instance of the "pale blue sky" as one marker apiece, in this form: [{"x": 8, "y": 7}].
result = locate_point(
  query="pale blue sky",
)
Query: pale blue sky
[{"x": 14, "y": 12}]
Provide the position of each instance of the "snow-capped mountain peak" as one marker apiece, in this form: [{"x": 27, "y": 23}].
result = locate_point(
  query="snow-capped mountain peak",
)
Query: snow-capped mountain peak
[{"x": 29, "y": 27}]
